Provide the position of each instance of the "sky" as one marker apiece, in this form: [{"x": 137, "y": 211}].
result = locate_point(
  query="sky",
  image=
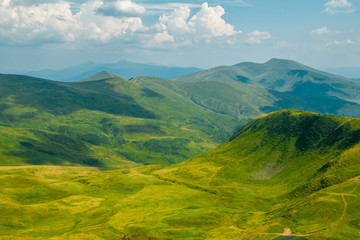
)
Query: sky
[{"x": 54, "y": 34}]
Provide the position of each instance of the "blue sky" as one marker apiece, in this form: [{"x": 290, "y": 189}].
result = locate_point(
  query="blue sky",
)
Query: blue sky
[{"x": 42, "y": 34}]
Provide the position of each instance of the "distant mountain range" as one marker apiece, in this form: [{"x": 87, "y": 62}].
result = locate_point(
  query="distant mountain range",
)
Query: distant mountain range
[
  {"x": 125, "y": 69},
  {"x": 283, "y": 76}
]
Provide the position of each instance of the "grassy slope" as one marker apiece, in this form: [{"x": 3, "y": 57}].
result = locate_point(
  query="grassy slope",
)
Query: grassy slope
[
  {"x": 288, "y": 169},
  {"x": 245, "y": 101},
  {"x": 288, "y": 163},
  {"x": 102, "y": 123}
]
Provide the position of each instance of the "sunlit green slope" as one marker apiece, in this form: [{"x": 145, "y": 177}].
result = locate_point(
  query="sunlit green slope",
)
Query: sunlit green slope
[
  {"x": 106, "y": 123},
  {"x": 288, "y": 169}
]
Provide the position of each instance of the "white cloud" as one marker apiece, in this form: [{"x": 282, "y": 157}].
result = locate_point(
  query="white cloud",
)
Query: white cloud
[
  {"x": 43, "y": 23},
  {"x": 121, "y": 8},
  {"x": 257, "y": 37},
  {"x": 160, "y": 39},
  {"x": 23, "y": 24},
  {"x": 320, "y": 31},
  {"x": 209, "y": 23},
  {"x": 205, "y": 25},
  {"x": 339, "y": 6},
  {"x": 48, "y": 23},
  {"x": 176, "y": 22},
  {"x": 344, "y": 42}
]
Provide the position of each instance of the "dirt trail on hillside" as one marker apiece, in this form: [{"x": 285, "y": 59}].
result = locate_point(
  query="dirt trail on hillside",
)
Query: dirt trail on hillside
[{"x": 288, "y": 233}]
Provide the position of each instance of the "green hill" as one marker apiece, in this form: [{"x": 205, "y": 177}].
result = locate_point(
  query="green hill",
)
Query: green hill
[
  {"x": 107, "y": 123},
  {"x": 288, "y": 169},
  {"x": 110, "y": 122},
  {"x": 245, "y": 101},
  {"x": 283, "y": 76},
  {"x": 99, "y": 76}
]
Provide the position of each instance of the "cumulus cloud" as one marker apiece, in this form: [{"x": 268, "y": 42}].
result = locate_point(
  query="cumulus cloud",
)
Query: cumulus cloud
[
  {"x": 160, "y": 39},
  {"x": 320, "y": 31},
  {"x": 203, "y": 26},
  {"x": 48, "y": 23},
  {"x": 209, "y": 23},
  {"x": 122, "y": 8},
  {"x": 339, "y": 6},
  {"x": 176, "y": 22},
  {"x": 23, "y": 24},
  {"x": 257, "y": 37},
  {"x": 103, "y": 21}
]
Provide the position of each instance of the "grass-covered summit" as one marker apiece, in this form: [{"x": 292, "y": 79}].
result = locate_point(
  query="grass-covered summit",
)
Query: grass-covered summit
[{"x": 288, "y": 169}]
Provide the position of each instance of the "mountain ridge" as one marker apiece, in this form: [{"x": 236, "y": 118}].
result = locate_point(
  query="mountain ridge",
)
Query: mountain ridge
[{"x": 284, "y": 76}]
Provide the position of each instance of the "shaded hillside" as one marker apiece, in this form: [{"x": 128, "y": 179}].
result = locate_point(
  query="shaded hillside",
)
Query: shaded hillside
[
  {"x": 283, "y": 76},
  {"x": 107, "y": 122},
  {"x": 245, "y": 101},
  {"x": 288, "y": 169},
  {"x": 144, "y": 120}
]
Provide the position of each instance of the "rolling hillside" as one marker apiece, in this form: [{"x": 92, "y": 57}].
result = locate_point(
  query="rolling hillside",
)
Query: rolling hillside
[
  {"x": 245, "y": 101},
  {"x": 283, "y": 76},
  {"x": 108, "y": 123},
  {"x": 288, "y": 169}
]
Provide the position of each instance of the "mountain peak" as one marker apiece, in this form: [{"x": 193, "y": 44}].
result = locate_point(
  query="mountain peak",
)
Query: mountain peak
[
  {"x": 285, "y": 63},
  {"x": 100, "y": 76},
  {"x": 243, "y": 64}
]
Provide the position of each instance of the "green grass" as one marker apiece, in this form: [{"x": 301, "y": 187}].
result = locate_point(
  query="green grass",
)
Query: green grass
[
  {"x": 262, "y": 180},
  {"x": 108, "y": 123},
  {"x": 144, "y": 120}
]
